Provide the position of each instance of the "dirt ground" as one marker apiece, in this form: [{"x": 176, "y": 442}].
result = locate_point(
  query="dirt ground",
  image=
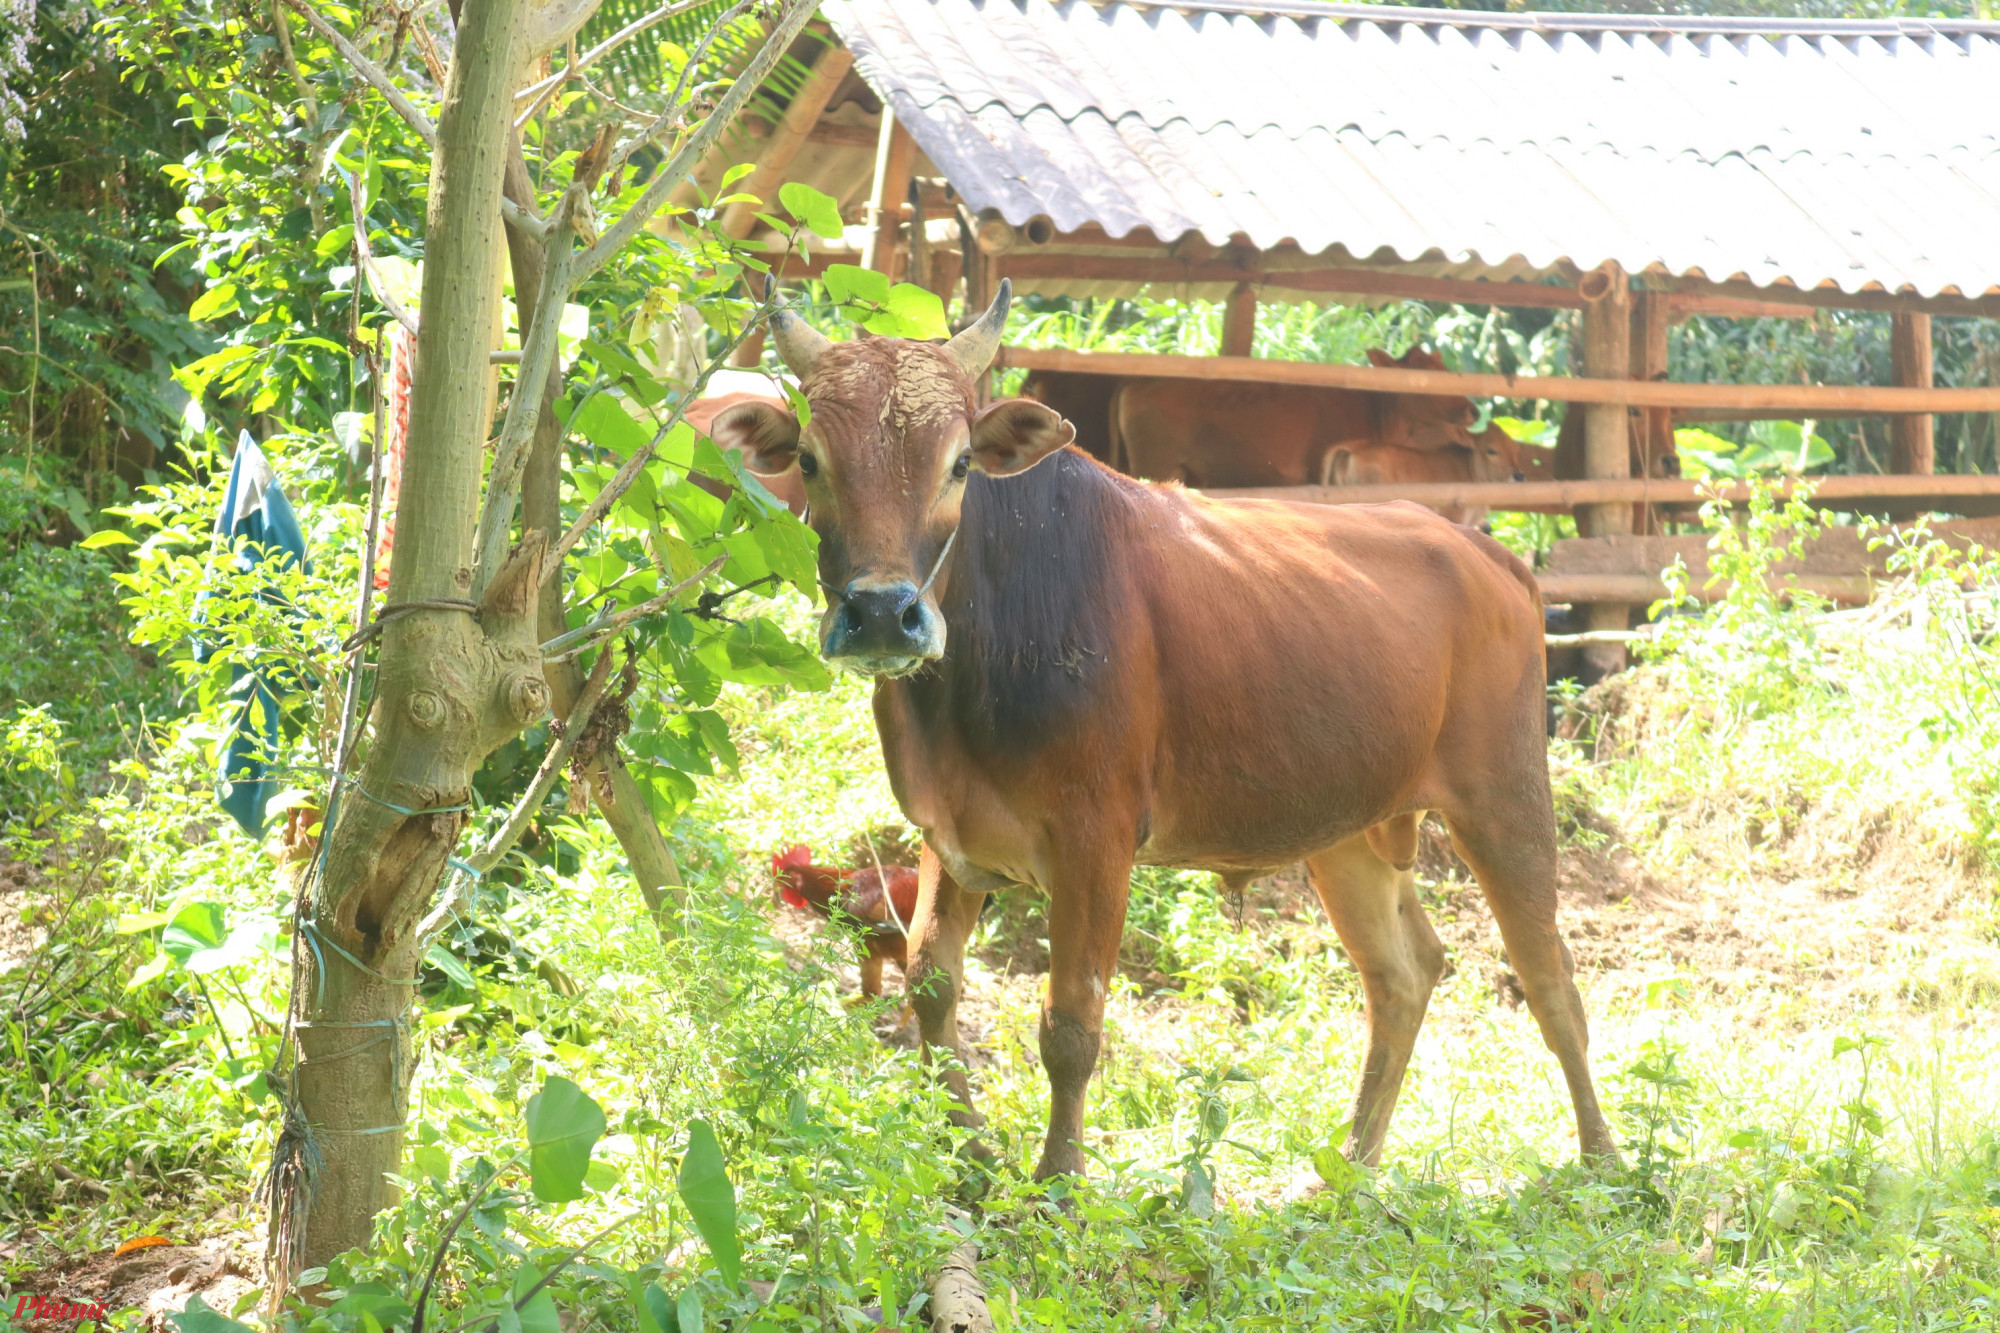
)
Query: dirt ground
[
  {"x": 1796, "y": 924},
  {"x": 158, "y": 1279}
]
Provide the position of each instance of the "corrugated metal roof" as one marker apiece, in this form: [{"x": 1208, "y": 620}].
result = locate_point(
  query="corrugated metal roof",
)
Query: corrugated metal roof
[{"x": 1855, "y": 153}]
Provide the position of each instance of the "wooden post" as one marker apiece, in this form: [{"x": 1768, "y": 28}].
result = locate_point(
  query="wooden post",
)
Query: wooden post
[
  {"x": 1239, "y": 320},
  {"x": 920, "y": 250},
  {"x": 1607, "y": 434},
  {"x": 1653, "y": 426},
  {"x": 793, "y": 130},
  {"x": 1914, "y": 436},
  {"x": 895, "y": 155}
]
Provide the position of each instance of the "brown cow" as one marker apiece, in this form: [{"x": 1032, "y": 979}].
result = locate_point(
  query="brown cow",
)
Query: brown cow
[
  {"x": 1205, "y": 433},
  {"x": 1085, "y": 401},
  {"x": 1077, "y": 671},
  {"x": 1641, "y": 461},
  {"x": 701, "y": 414},
  {"x": 1495, "y": 456}
]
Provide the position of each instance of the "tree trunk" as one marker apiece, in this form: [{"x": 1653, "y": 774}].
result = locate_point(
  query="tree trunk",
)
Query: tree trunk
[
  {"x": 453, "y": 684},
  {"x": 615, "y": 790}
]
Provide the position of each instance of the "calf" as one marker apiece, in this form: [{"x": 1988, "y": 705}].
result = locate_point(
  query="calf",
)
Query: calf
[
  {"x": 1213, "y": 434},
  {"x": 1495, "y": 456},
  {"x": 1075, "y": 671}
]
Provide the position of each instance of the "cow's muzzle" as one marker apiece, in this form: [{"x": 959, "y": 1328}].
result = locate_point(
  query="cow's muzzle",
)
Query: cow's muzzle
[{"x": 881, "y": 630}]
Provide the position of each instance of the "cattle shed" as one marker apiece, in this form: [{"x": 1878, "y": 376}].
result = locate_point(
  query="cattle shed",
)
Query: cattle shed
[{"x": 1637, "y": 169}]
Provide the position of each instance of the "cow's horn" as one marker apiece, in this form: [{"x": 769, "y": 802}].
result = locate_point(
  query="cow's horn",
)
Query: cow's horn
[
  {"x": 975, "y": 348},
  {"x": 799, "y": 343}
]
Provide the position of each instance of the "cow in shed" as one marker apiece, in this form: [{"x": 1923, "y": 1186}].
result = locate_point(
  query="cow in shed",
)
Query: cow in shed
[
  {"x": 1494, "y": 456},
  {"x": 1085, "y": 401},
  {"x": 1643, "y": 459},
  {"x": 1076, "y": 671},
  {"x": 1212, "y": 434}
]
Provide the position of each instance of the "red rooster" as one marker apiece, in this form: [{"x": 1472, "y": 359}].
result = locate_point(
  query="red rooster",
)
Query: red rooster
[{"x": 882, "y": 898}]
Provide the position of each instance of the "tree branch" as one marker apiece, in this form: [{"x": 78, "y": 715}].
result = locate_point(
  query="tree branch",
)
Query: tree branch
[
  {"x": 535, "y": 91},
  {"x": 367, "y": 256},
  {"x": 584, "y": 636},
  {"x": 511, "y": 828},
  {"x": 372, "y": 72},
  {"x": 793, "y": 22},
  {"x": 677, "y": 109},
  {"x": 538, "y": 355}
]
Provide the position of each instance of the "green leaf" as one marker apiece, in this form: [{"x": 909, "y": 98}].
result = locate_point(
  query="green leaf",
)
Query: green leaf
[
  {"x": 195, "y": 929},
  {"x": 198, "y": 1317},
  {"x": 818, "y": 211},
  {"x": 608, "y": 426},
  {"x": 1198, "y": 1191},
  {"x": 446, "y": 962},
  {"x": 655, "y": 1312},
  {"x": 711, "y": 1203},
  {"x": 335, "y": 241},
  {"x": 735, "y": 174},
  {"x": 915, "y": 313},
  {"x": 563, "y": 1125},
  {"x": 846, "y": 283},
  {"x": 152, "y": 971},
  {"x": 688, "y": 1311},
  {"x": 217, "y": 300},
  {"x": 538, "y": 1315},
  {"x": 108, "y": 537},
  {"x": 132, "y": 923},
  {"x": 196, "y": 376}
]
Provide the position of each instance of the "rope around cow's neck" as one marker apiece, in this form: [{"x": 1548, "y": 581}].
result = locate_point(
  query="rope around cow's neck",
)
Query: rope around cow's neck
[{"x": 936, "y": 565}]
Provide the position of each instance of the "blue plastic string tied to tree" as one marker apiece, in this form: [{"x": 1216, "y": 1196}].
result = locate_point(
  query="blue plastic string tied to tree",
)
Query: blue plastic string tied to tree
[{"x": 259, "y": 529}]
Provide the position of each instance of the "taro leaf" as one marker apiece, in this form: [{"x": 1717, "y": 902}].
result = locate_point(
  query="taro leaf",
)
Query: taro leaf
[
  {"x": 194, "y": 929},
  {"x": 816, "y": 210},
  {"x": 537, "y": 1313},
  {"x": 563, "y": 1124},
  {"x": 372, "y": 1298},
  {"x": 247, "y": 938},
  {"x": 711, "y": 1202},
  {"x": 199, "y": 1318}
]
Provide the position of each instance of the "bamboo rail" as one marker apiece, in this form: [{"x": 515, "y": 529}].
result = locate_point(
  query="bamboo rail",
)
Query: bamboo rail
[
  {"x": 1828, "y": 492},
  {"x": 1639, "y": 589},
  {"x": 1383, "y": 379}
]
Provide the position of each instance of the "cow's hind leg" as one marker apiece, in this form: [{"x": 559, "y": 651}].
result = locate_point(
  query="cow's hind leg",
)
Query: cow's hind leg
[
  {"x": 1373, "y": 905},
  {"x": 1511, "y": 848},
  {"x": 1086, "y": 921},
  {"x": 945, "y": 916}
]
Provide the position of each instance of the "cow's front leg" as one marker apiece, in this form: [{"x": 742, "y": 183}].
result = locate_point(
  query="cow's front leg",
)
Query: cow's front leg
[
  {"x": 945, "y": 916},
  {"x": 1086, "y": 921}
]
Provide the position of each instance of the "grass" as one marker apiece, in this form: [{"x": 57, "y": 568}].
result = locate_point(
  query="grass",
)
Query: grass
[
  {"x": 1792, "y": 1031},
  {"x": 1815, "y": 1157}
]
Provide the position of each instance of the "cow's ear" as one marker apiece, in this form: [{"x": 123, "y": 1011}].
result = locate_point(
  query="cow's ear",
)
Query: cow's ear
[
  {"x": 1378, "y": 357},
  {"x": 766, "y": 436},
  {"x": 1015, "y": 434},
  {"x": 1422, "y": 358}
]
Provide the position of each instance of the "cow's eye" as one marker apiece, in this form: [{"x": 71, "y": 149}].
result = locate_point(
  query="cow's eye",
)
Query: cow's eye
[
  {"x": 808, "y": 465},
  {"x": 961, "y": 467}
]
